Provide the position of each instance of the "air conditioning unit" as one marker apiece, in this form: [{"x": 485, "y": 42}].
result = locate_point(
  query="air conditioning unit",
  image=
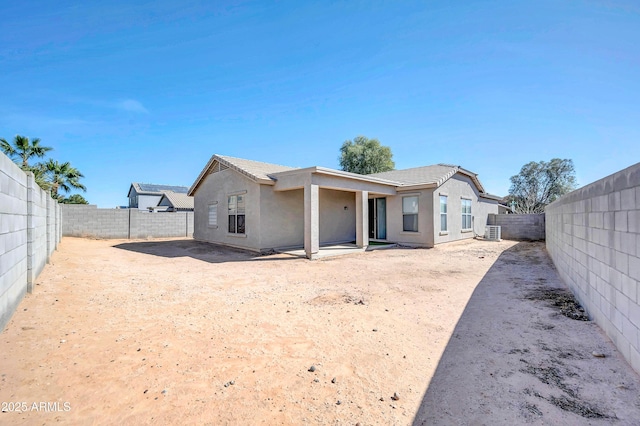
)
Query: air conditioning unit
[{"x": 492, "y": 233}]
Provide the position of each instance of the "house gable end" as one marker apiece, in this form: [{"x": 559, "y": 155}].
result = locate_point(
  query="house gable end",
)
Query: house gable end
[{"x": 131, "y": 188}]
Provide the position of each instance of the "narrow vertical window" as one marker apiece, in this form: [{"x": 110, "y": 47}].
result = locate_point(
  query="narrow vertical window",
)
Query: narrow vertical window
[
  {"x": 466, "y": 214},
  {"x": 240, "y": 215},
  {"x": 213, "y": 214},
  {"x": 233, "y": 211},
  {"x": 443, "y": 213},
  {"x": 410, "y": 214}
]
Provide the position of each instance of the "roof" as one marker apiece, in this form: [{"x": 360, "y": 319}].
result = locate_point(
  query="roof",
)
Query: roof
[
  {"x": 267, "y": 173},
  {"x": 257, "y": 171},
  {"x": 154, "y": 189},
  {"x": 436, "y": 174},
  {"x": 178, "y": 200},
  {"x": 334, "y": 172}
]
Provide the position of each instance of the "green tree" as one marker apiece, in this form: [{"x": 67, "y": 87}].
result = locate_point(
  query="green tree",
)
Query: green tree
[
  {"x": 539, "y": 184},
  {"x": 23, "y": 149},
  {"x": 365, "y": 156},
  {"x": 74, "y": 199},
  {"x": 61, "y": 176}
]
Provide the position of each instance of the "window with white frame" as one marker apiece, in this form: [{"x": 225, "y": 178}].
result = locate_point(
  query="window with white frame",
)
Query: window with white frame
[
  {"x": 213, "y": 214},
  {"x": 410, "y": 214},
  {"x": 443, "y": 213},
  {"x": 466, "y": 214},
  {"x": 236, "y": 214}
]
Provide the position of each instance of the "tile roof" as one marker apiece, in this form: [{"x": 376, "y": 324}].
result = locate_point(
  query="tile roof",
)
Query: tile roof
[
  {"x": 436, "y": 174},
  {"x": 178, "y": 200},
  {"x": 254, "y": 169},
  {"x": 257, "y": 171},
  {"x": 263, "y": 173}
]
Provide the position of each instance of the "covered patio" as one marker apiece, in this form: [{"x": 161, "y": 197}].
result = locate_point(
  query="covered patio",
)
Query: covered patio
[{"x": 311, "y": 180}]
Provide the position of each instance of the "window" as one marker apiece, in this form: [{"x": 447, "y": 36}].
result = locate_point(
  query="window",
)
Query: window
[
  {"x": 213, "y": 214},
  {"x": 236, "y": 214},
  {"x": 443, "y": 213},
  {"x": 466, "y": 214},
  {"x": 410, "y": 214}
]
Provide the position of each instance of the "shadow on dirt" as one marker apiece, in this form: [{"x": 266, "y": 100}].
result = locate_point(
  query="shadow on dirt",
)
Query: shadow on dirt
[
  {"x": 206, "y": 252},
  {"x": 516, "y": 354}
]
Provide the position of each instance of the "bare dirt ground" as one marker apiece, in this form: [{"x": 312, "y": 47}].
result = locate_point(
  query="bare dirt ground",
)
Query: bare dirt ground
[{"x": 176, "y": 331}]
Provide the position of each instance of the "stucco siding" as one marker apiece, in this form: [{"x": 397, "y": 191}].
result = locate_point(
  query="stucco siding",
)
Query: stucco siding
[
  {"x": 336, "y": 223},
  {"x": 282, "y": 222},
  {"x": 424, "y": 236},
  {"x": 146, "y": 201},
  {"x": 215, "y": 189},
  {"x": 481, "y": 214},
  {"x": 456, "y": 189}
]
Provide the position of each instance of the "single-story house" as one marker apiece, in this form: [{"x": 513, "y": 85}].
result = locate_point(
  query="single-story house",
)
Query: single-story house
[
  {"x": 262, "y": 207},
  {"x": 144, "y": 195},
  {"x": 174, "y": 202}
]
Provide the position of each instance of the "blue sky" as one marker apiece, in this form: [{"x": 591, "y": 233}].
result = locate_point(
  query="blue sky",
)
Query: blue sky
[{"x": 147, "y": 91}]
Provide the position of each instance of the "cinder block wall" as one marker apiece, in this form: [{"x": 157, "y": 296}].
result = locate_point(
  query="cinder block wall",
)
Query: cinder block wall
[
  {"x": 529, "y": 227},
  {"x": 593, "y": 237},
  {"x": 29, "y": 233},
  {"x": 161, "y": 224},
  {"x": 90, "y": 221},
  {"x": 81, "y": 220}
]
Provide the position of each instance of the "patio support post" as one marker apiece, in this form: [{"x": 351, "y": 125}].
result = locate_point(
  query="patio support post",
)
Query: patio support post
[
  {"x": 311, "y": 220},
  {"x": 362, "y": 219}
]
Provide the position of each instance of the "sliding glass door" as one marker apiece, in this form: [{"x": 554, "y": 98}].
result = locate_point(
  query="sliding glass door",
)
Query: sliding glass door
[{"x": 378, "y": 218}]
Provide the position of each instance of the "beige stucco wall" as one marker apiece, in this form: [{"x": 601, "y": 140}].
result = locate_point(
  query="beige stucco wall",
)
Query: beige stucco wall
[
  {"x": 217, "y": 187},
  {"x": 274, "y": 219},
  {"x": 283, "y": 217},
  {"x": 337, "y": 224},
  {"x": 424, "y": 236},
  {"x": 456, "y": 188},
  {"x": 282, "y": 222},
  {"x": 481, "y": 214}
]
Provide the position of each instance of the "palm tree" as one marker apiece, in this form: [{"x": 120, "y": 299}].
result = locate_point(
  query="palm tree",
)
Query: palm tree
[
  {"x": 74, "y": 199},
  {"x": 22, "y": 150},
  {"x": 61, "y": 176}
]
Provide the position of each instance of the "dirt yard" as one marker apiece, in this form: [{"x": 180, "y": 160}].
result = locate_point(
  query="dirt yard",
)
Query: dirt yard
[{"x": 176, "y": 331}]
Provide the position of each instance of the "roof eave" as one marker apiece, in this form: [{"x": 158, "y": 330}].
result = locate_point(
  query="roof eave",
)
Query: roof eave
[
  {"x": 490, "y": 196},
  {"x": 216, "y": 157},
  {"x": 332, "y": 172},
  {"x": 414, "y": 187},
  {"x": 130, "y": 188},
  {"x": 265, "y": 181},
  {"x": 203, "y": 173}
]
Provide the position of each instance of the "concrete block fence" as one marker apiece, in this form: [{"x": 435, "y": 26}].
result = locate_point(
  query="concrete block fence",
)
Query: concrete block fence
[
  {"x": 593, "y": 237},
  {"x": 30, "y": 230},
  {"x": 530, "y": 227},
  {"x": 90, "y": 221}
]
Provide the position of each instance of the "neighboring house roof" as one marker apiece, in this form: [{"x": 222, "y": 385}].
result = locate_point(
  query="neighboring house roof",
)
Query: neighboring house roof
[
  {"x": 177, "y": 200},
  {"x": 153, "y": 189},
  {"x": 255, "y": 170}
]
